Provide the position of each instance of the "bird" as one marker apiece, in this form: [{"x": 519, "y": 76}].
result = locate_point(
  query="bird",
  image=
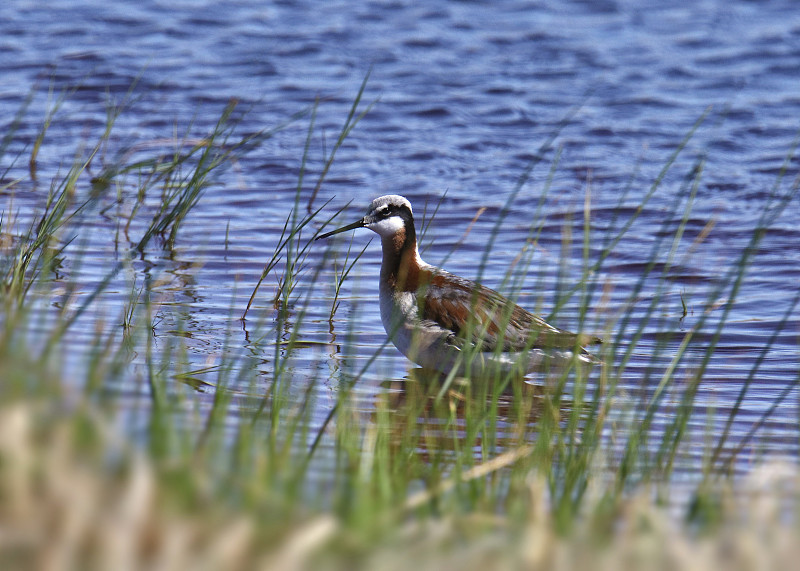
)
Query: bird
[{"x": 444, "y": 322}]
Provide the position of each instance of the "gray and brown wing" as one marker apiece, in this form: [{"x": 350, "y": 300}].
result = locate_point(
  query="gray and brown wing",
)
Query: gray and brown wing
[{"x": 482, "y": 317}]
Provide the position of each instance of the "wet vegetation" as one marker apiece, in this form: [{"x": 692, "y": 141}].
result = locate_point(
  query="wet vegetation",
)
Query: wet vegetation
[{"x": 443, "y": 473}]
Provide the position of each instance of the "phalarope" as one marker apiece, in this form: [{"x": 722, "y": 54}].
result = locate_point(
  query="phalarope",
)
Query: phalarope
[{"x": 442, "y": 321}]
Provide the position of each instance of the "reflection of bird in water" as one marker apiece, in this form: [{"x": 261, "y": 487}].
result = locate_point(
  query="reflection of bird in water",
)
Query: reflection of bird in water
[
  {"x": 429, "y": 422},
  {"x": 441, "y": 321}
]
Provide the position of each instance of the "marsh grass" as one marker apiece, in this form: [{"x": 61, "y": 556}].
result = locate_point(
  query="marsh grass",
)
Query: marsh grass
[{"x": 439, "y": 472}]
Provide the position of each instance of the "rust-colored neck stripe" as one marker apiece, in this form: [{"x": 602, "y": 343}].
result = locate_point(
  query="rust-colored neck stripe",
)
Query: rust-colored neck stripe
[{"x": 400, "y": 268}]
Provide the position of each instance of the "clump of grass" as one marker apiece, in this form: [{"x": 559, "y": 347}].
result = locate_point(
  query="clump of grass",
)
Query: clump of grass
[
  {"x": 290, "y": 243},
  {"x": 440, "y": 472},
  {"x": 342, "y": 272},
  {"x": 184, "y": 174}
]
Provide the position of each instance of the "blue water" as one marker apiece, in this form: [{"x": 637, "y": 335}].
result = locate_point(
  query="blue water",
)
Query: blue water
[{"x": 465, "y": 95}]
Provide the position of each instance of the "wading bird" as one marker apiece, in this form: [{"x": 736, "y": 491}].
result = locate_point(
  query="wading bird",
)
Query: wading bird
[{"x": 442, "y": 321}]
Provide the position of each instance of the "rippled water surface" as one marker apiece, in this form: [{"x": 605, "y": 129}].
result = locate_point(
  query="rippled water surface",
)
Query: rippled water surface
[{"x": 466, "y": 94}]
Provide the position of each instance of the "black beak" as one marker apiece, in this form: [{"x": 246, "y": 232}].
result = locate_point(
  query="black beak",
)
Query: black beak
[{"x": 357, "y": 224}]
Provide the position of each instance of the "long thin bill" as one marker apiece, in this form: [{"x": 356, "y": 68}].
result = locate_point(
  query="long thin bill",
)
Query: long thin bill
[{"x": 353, "y": 226}]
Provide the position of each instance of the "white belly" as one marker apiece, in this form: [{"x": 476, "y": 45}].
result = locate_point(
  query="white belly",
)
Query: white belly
[{"x": 425, "y": 343}]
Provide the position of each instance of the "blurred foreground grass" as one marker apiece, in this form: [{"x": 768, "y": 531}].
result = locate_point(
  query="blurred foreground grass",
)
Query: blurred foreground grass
[{"x": 67, "y": 505}]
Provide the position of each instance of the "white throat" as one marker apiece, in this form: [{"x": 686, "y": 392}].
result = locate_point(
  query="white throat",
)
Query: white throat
[{"x": 387, "y": 227}]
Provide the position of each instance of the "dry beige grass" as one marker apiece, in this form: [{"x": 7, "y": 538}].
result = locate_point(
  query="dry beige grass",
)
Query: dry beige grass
[{"x": 61, "y": 509}]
